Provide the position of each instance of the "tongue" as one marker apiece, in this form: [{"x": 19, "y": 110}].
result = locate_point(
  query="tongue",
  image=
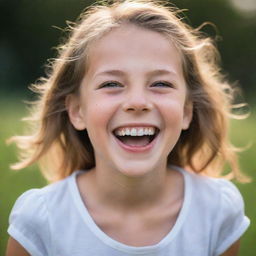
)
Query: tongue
[{"x": 135, "y": 141}]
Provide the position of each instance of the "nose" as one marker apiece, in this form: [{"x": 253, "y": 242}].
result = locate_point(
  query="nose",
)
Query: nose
[{"x": 137, "y": 101}]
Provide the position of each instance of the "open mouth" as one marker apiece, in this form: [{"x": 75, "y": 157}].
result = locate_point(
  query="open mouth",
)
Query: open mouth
[{"x": 136, "y": 136}]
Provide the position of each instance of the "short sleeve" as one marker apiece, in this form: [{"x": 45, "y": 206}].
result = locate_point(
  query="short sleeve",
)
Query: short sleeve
[
  {"x": 28, "y": 223},
  {"x": 231, "y": 221}
]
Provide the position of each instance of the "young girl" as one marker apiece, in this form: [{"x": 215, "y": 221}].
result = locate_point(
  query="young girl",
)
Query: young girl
[{"x": 132, "y": 121}]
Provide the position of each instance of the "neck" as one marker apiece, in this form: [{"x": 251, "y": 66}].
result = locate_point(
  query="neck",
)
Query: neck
[{"x": 114, "y": 189}]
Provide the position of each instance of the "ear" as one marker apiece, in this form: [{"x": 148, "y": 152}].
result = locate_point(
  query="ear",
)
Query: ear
[
  {"x": 188, "y": 114},
  {"x": 75, "y": 113}
]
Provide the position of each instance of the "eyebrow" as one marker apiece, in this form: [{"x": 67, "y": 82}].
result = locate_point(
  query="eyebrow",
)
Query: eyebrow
[{"x": 120, "y": 73}]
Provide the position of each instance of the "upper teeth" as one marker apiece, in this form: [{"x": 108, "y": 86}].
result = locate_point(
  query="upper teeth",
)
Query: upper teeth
[{"x": 135, "y": 131}]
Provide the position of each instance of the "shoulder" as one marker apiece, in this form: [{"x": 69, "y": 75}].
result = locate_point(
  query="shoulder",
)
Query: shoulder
[
  {"x": 26, "y": 205},
  {"x": 221, "y": 196},
  {"x": 29, "y": 221},
  {"x": 221, "y": 191},
  {"x": 40, "y": 200},
  {"x": 221, "y": 203},
  {"x": 230, "y": 221},
  {"x": 230, "y": 198},
  {"x": 37, "y": 200}
]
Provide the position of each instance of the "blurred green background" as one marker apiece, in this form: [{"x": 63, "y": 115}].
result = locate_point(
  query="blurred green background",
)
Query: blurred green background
[{"x": 29, "y": 33}]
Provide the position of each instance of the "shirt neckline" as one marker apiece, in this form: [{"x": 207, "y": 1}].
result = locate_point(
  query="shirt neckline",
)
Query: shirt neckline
[{"x": 88, "y": 220}]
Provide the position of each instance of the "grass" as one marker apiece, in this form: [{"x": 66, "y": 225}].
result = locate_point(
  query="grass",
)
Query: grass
[{"x": 13, "y": 183}]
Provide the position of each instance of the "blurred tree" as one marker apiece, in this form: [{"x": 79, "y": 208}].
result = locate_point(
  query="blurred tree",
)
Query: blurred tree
[
  {"x": 28, "y": 37},
  {"x": 236, "y": 35}
]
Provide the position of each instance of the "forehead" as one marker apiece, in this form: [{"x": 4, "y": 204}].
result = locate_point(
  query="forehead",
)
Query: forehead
[{"x": 132, "y": 48}]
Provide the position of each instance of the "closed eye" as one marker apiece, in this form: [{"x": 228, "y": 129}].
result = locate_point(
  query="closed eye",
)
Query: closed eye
[
  {"x": 111, "y": 84},
  {"x": 163, "y": 84}
]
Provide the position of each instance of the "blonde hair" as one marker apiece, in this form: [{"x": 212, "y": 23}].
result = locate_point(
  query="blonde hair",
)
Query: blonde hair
[{"x": 203, "y": 148}]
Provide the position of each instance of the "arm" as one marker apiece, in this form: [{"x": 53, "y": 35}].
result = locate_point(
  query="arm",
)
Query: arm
[
  {"x": 14, "y": 248},
  {"x": 233, "y": 249}
]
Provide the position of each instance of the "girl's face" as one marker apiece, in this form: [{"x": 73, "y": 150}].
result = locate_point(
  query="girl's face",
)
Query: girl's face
[{"x": 132, "y": 100}]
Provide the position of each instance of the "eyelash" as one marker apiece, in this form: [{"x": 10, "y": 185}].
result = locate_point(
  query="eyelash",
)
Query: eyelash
[
  {"x": 110, "y": 84},
  {"x": 163, "y": 84},
  {"x": 113, "y": 84}
]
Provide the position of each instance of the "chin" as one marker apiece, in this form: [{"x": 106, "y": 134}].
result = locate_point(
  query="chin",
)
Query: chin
[{"x": 136, "y": 170}]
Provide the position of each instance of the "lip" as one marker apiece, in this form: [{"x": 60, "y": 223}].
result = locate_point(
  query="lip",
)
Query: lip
[{"x": 137, "y": 149}]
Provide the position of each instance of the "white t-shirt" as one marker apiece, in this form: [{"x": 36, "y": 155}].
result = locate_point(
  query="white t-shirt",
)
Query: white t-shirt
[{"x": 53, "y": 221}]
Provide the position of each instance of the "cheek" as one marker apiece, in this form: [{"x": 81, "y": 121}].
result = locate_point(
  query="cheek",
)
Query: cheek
[
  {"x": 99, "y": 111},
  {"x": 172, "y": 109}
]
